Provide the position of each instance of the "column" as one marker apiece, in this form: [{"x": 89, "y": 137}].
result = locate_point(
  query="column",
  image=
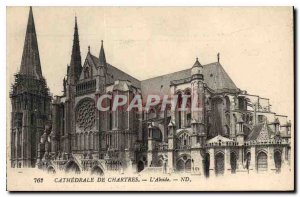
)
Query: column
[
  {"x": 24, "y": 155},
  {"x": 16, "y": 147},
  {"x": 271, "y": 161},
  {"x": 171, "y": 146},
  {"x": 150, "y": 146},
  {"x": 240, "y": 161},
  {"x": 91, "y": 140},
  {"x": 182, "y": 119},
  {"x": 212, "y": 162},
  {"x": 197, "y": 162},
  {"x": 227, "y": 165},
  {"x": 252, "y": 166},
  {"x": 283, "y": 159}
]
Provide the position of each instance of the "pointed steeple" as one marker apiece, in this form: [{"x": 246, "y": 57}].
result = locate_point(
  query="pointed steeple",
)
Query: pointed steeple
[
  {"x": 197, "y": 70},
  {"x": 197, "y": 63},
  {"x": 102, "y": 58},
  {"x": 30, "y": 64},
  {"x": 75, "y": 65}
]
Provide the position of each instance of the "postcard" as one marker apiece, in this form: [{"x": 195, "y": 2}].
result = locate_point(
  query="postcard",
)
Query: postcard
[{"x": 150, "y": 99}]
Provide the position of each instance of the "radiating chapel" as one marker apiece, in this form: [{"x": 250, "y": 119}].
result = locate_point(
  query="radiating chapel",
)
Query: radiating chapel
[{"x": 235, "y": 132}]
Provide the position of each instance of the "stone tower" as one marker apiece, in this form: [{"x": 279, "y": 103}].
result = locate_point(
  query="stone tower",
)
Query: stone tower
[
  {"x": 198, "y": 103},
  {"x": 30, "y": 101},
  {"x": 73, "y": 75},
  {"x": 198, "y": 118}
]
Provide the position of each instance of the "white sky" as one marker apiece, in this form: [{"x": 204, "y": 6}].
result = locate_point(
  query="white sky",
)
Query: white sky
[{"x": 256, "y": 44}]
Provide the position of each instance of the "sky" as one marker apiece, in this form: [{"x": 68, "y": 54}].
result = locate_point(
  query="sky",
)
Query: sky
[{"x": 255, "y": 44}]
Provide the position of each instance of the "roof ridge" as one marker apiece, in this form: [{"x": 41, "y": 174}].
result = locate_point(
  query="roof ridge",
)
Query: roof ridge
[
  {"x": 213, "y": 63},
  {"x": 123, "y": 72},
  {"x": 167, "y": 74}
]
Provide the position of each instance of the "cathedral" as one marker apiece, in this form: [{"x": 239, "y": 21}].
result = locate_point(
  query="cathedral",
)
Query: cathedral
[{"x": 234, "y": 132}]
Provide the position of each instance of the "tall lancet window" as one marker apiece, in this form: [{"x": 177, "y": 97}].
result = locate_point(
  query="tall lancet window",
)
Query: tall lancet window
[
  {"x": 110, "y": 113},
  {"x": 86, "y": 72},
  {"x": 179, "y": 113},
  {"x": 188, "y": 108}
]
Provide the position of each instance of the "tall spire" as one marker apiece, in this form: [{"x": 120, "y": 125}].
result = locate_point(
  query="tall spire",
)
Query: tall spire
[
  {"x": 75, "y": 65},
  {"x": 30, "y": 64},
  {"x": 102, "y": 58}
]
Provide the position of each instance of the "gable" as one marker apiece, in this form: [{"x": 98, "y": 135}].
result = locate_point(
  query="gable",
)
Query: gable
[
  {"x": 89, "y": 68},
  {"x": 264, "y": 134},
  {"x": 218, "y": 139}
]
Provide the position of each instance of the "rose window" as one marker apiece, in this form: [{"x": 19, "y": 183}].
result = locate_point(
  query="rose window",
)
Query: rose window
[{"x": 85, "y": 118}]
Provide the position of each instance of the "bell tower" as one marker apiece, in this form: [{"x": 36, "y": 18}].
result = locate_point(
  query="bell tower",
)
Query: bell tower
[
  {"x": 73, "y": 73},
  {"x": 30, "y": 101}
]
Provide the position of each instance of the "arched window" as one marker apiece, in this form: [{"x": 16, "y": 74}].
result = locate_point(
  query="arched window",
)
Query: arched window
[
  {"x": 180, "y": 165},
  {"x": 140, "y": 166},
  {"x": 156, "y": 134},
  {"x": 115, "y": 113},
  {"x": 206, "y": 165},
  {"x": 233, "y": 161},
  {"x": 184, "y": 140},
  {"x": 110, "y": 113},
  {"x": 219, "y": 164},
  {"x": 277, "y": 160},
  {"x": 183, "y": 164},
  {"x": 217, "y": 111},
  {"x": 248, "y": 159},
  {"x": 72, "y": 167},
  {"x": 262, "y": 162},
  {"x": 234, "y": 124},
  {"x": 227, "y": 108},
  {"x": 86, "y": 72},
  {"x": 97, "y": 171},
  {"x": 226, "y": 131},
  {"x": 179, "y": 113},
  {"x": 188, "y": 108}
]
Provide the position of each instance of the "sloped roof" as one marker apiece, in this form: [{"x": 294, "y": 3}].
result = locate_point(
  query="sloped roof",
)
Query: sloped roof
[
  {"x": 255, "y": 132},
  {"x": 114, "y": 74},
  {"x": 260, "y": 132},
  {"x": 94, "y": 60},
  {"x": 214, "y": 76},
  {"x": 161, "y": 85},
  {"x": 218, "y": 138}
]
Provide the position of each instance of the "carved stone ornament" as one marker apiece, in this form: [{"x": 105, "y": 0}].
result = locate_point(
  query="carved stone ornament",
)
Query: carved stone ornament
[{"x": 85, "y": 114}]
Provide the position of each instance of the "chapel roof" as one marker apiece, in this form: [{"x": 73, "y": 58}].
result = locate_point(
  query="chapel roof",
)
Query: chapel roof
[
  {"x": 261, "y": 131},
  {"x": 214, "y": 74}
]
